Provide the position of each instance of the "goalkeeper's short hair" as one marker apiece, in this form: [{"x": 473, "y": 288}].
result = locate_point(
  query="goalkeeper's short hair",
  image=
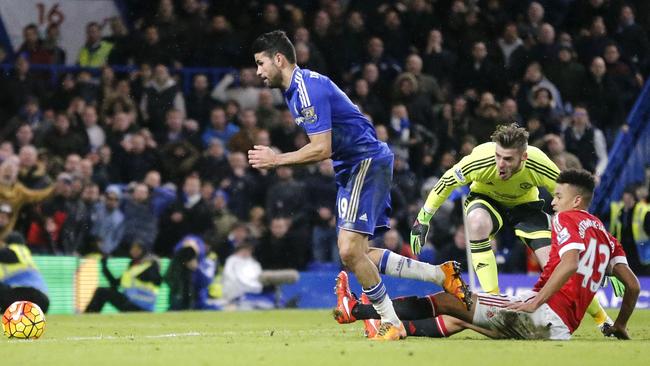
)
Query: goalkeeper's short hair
[{"x": 511, "y": 136}]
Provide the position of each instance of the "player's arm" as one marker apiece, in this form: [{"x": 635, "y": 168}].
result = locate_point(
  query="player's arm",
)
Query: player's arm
[
  {"x": 36, "y": 195},
  {"x": 622, "y": 273},
  {"x": 316, "y": 112},
  {"x": 632, "y": 289},
  {"x": 319, "y": 148},
  {"x": 459, "y": 175},
  {"x": 565, "y": 269},
  {"x": 565, "y": 232},
  {"x": 449, "y": 181}
]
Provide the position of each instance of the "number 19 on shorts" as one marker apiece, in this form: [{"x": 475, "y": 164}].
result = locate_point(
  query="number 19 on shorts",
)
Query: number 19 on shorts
[{"x": 342, "y": 207}]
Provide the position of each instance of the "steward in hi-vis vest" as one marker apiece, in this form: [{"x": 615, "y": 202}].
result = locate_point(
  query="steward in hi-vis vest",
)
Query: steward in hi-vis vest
[
  {"x": 139, "y": 284},
  {"x": 20, "y": 279},
  {"x": 630, "y": 224}
]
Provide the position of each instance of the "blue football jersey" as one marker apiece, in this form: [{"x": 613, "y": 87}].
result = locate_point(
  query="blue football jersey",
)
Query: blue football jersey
[{"x": 318, "y": 105}]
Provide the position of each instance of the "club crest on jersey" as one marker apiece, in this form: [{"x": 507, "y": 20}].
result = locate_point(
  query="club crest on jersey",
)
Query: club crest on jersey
[
  {"x": 309, "y": 115},
  {"x": 526, "y": 185},
  {"x": 459, "y": 175}
]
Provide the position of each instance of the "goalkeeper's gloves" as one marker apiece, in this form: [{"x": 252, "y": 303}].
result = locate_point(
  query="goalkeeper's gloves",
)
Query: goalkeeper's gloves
[
  {"x": 617, "y": 286},
  {"x": 420, "y": 230}
]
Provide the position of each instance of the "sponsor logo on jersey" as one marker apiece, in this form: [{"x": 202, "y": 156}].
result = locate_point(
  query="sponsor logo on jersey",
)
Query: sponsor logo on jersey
[
  {"x": 363, "y": 217},
  {"x": 563, "y": 236},
  {"x": 489, "y": 183},
  {"x": 526, "y": 185},
  {"x": 459, "y": 175},
  {"x": 309, "y": 115}
]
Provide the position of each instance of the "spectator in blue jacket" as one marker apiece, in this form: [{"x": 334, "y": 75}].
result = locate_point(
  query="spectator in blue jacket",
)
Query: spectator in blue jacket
[
  {"x": 108, "y": 221},
  {"x": 140, "y": 224},
  {"x": 219, "y": 127}
]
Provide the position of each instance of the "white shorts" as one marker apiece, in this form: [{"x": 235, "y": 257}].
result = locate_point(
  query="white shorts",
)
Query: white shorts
[{"x": 544, "y": 323}]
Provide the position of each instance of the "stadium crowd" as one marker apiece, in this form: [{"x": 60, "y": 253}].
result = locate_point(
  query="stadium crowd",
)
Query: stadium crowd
[{"x": 104, "y": 159}]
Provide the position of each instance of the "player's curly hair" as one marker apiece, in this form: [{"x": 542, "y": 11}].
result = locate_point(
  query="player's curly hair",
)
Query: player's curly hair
[
  {"x": 275, "y": 42},
  {"x": 581, "y": 179},
  {"x": 511, "y": 137}
]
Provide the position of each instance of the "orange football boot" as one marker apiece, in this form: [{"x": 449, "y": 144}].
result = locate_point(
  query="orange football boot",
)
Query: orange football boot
[
  {"x": 345, "y": 300},
  {"x": 390, "y": 332},
  {"x": 454, "y": 284}
]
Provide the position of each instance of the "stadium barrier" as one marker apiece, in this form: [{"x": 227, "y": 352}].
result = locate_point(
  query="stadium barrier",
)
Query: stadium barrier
[
  {"x": 53, "y": 73},
  {"x": 73, "y": 280}
]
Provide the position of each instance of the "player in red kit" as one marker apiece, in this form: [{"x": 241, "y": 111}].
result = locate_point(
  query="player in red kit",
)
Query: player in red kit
[{"x": 582, "y": 253}]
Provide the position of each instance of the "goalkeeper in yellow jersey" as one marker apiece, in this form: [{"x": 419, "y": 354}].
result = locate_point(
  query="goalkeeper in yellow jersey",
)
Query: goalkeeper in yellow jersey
[{"x": 504, "y": 175}]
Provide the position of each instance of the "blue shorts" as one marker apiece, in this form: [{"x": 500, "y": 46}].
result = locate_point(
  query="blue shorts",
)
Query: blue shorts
[{"x": 363, "y": 198}]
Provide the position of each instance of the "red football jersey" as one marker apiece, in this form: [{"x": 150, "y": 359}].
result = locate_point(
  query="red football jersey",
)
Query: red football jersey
[{"x": 598, "y": 249}]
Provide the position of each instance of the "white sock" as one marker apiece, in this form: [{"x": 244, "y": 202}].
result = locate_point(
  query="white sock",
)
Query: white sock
[
  {"x": 382, "y": 303},
  {"x": 385, "y": 309},
  {"x": 396, "y": 265}
]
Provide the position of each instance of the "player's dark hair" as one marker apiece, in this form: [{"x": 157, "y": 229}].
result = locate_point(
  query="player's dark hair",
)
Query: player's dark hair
[
  {"x": 511, "y": 137},
  {"x": 275, "y": 42},
  {"x": 581, "y": 179}
]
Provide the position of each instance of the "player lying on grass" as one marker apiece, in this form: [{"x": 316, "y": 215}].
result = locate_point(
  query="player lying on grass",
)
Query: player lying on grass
[
  {"x": 505, "y": 177},
  {"x": 581, "y": 252}
]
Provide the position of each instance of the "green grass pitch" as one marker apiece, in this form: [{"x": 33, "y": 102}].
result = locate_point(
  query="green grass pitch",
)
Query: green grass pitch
[{"x": 297, "y": 337}]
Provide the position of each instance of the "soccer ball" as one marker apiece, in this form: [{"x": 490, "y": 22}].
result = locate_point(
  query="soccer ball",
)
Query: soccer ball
[{"x": 24, "y": 320}]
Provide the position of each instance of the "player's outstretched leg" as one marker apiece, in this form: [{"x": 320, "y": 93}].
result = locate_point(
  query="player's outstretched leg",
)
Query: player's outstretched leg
[
  {"x": 446, "y": 275},
  {"x": 349, "y": 309},
  {"x": 353, "y": 248},
  {"x": 423, "y": 316},
  {"x": 441, "y": 326}
]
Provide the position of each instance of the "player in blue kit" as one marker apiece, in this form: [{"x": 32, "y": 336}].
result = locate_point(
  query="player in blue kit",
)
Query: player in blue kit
[{"x": 363, "y": 166}]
